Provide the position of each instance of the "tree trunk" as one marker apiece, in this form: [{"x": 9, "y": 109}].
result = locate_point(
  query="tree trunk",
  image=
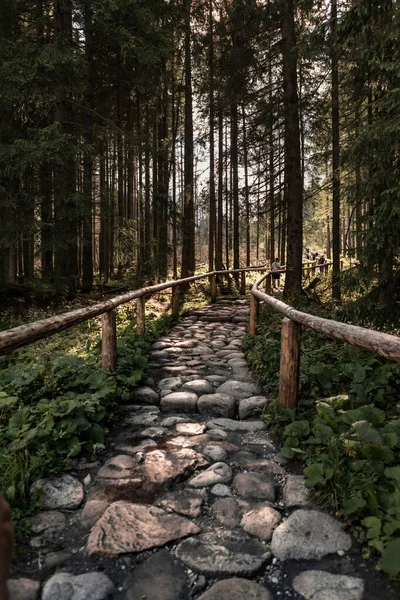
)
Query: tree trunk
[
  {"x": 212, "y": 216},
  {"x": 335, "y": 159},
  {"x": 87, "y": 241},
  {"x": 188, "y": 233},
  {"x": 246, "y": 189},
  {"x": 65, "y": 217},
  {"x": 235, "y": 184},
  {"x": 293, "y": 184}
]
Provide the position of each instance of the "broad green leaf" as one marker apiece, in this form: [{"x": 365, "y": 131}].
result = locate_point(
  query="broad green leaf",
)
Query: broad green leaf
[{"x": 390, "y": 561}]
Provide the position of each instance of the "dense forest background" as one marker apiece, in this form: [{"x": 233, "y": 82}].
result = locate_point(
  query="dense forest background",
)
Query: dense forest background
[{"x": 141, "y": 136}]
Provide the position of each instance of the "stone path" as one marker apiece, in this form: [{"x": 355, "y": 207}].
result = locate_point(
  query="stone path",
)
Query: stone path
[{"x": 190, "y": 499}]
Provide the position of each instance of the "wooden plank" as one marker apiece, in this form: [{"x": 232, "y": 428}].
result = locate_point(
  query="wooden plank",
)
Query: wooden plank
[
  {"x": 175, "y": 301},
  {"x": 254, "y": 312},
  {"x": 140, "y": 315},
  {"x": 289, "y": 373},
  {"x": 109, "y": 341}
]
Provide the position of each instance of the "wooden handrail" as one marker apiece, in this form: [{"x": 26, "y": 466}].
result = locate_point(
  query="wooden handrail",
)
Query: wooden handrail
[
  {"x": 384, "y": 344},
  {"x": 23, "y": 335}
]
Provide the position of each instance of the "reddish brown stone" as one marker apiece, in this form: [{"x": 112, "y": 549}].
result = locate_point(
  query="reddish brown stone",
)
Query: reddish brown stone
[
  {"x": 161, "y": 466},
  {"x": 125, "y": 528},
  {"x": 190, "y": 428},
  {"x": 261, "y": 522},
  {"x": 227, "y": 511}
]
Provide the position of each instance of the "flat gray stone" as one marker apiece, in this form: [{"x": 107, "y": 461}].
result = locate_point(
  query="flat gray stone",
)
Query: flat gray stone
[
  {"x": 185, "y": 402},
  {"x": 252, "y": 407},
  {"x": 231, "y": 425},
  {"x": 63, "y": 492},
  {"x": 23, "y": 589},
  {"x": 126, "y": 528},
  {"x": 158, "y": 577},
  {"x": 295, "y": 492},
  {"x": 145, "y": 395},
  {"x": 255, "y": 486},
  {"x": 239, "y": 389},
  {"x": 216, "y": 379},
  {"x": 153, "y": 433},
  {"x": 118, "y": 467},
  {"x": 261, "y": 521},
  {"x": 219, "y": 435},
  {"x": 171, "y": 421},
  {"x": 237, "y": 589},
  {"x": 48, "y": 527},
  {"x": 145, "y": 420},
  {"x": 247, "y": 460},
  {"x": 225, "y": 553},
  {"x": 321, "y": 585},
  {"x": 170, "y": 383},
  {"x": 309, "y": 534},
  {"x": 88, "y": 586},
  {"x": 215, "y": 452},
  {"x": 159, "y": 345},
  {"x": 217, "y": 405},
  {"x": 221, "y": 490},
  {"x": 217, "y": 473},
  {"x": 199, "y": 386}
]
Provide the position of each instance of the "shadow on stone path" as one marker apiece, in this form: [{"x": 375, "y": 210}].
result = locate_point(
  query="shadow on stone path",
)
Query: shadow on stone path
[{"x": 191, "y": 500}]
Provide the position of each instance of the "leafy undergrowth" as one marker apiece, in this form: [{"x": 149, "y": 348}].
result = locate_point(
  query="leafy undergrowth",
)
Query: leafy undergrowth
[
  {"x": 346, "y": 431},
  {"x": 55, "y": 400}
]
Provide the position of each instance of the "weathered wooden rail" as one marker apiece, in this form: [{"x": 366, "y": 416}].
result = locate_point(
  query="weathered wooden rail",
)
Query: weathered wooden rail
[
  {"x": 15, "y": 338},
  {"x": 383, "y": 344}
]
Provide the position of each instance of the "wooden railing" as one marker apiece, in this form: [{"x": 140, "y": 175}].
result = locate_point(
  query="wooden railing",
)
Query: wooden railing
[
  {"x": 15, "y": 338},
  {"x": 382, "y": 343}
]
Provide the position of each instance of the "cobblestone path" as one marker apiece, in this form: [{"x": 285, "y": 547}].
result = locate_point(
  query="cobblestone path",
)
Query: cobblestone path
[{"x": 190, "y": 499}]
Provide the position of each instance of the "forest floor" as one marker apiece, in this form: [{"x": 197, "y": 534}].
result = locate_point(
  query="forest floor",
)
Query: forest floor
[{"x": 190, "y": 498}]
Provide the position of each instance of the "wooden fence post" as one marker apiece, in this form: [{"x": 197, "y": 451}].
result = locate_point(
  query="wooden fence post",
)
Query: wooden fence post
[
  {"x": 213, "y": 288},
  {"x": 109, "y": 341},
  {"x": 268, "y": 284},
  {"x": 243, "y": 283},
  {"x": 289, "y": 374},
  {"x": 254, "y": 311},
  {"x": 140, "y": 315},
  {"x": 175, "y": 301}
]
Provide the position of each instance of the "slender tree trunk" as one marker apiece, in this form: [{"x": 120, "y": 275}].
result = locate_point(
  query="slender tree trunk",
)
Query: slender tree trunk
[
  {"x": 293, "y": 184},
  {"x": 235, "y": 184},
  {"x": 246, "y": 189},
  {"x": 188, "y": 234},
  {"x": 335, "y": 159},
  {"x": 218, "y": 255},
  {"x": 212, "y": 216},
  {"x": 87, "y": 241},
  {"x": 66, "y": 259}
]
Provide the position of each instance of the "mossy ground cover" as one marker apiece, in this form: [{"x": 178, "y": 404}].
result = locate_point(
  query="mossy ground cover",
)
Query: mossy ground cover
[
  {"x": 55, "y": 400},
  {"x": 346, "y": 430}
]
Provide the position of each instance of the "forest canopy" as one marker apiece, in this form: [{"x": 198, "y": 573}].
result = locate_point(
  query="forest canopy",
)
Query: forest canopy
[{"x": 148, "y": 136}]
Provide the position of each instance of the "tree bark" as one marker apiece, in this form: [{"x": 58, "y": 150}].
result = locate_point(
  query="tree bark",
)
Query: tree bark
[
  {"x": 293, "y": 183},
  {"x": 188, "y": 233},
  {"x": 335, "y": 158}
]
